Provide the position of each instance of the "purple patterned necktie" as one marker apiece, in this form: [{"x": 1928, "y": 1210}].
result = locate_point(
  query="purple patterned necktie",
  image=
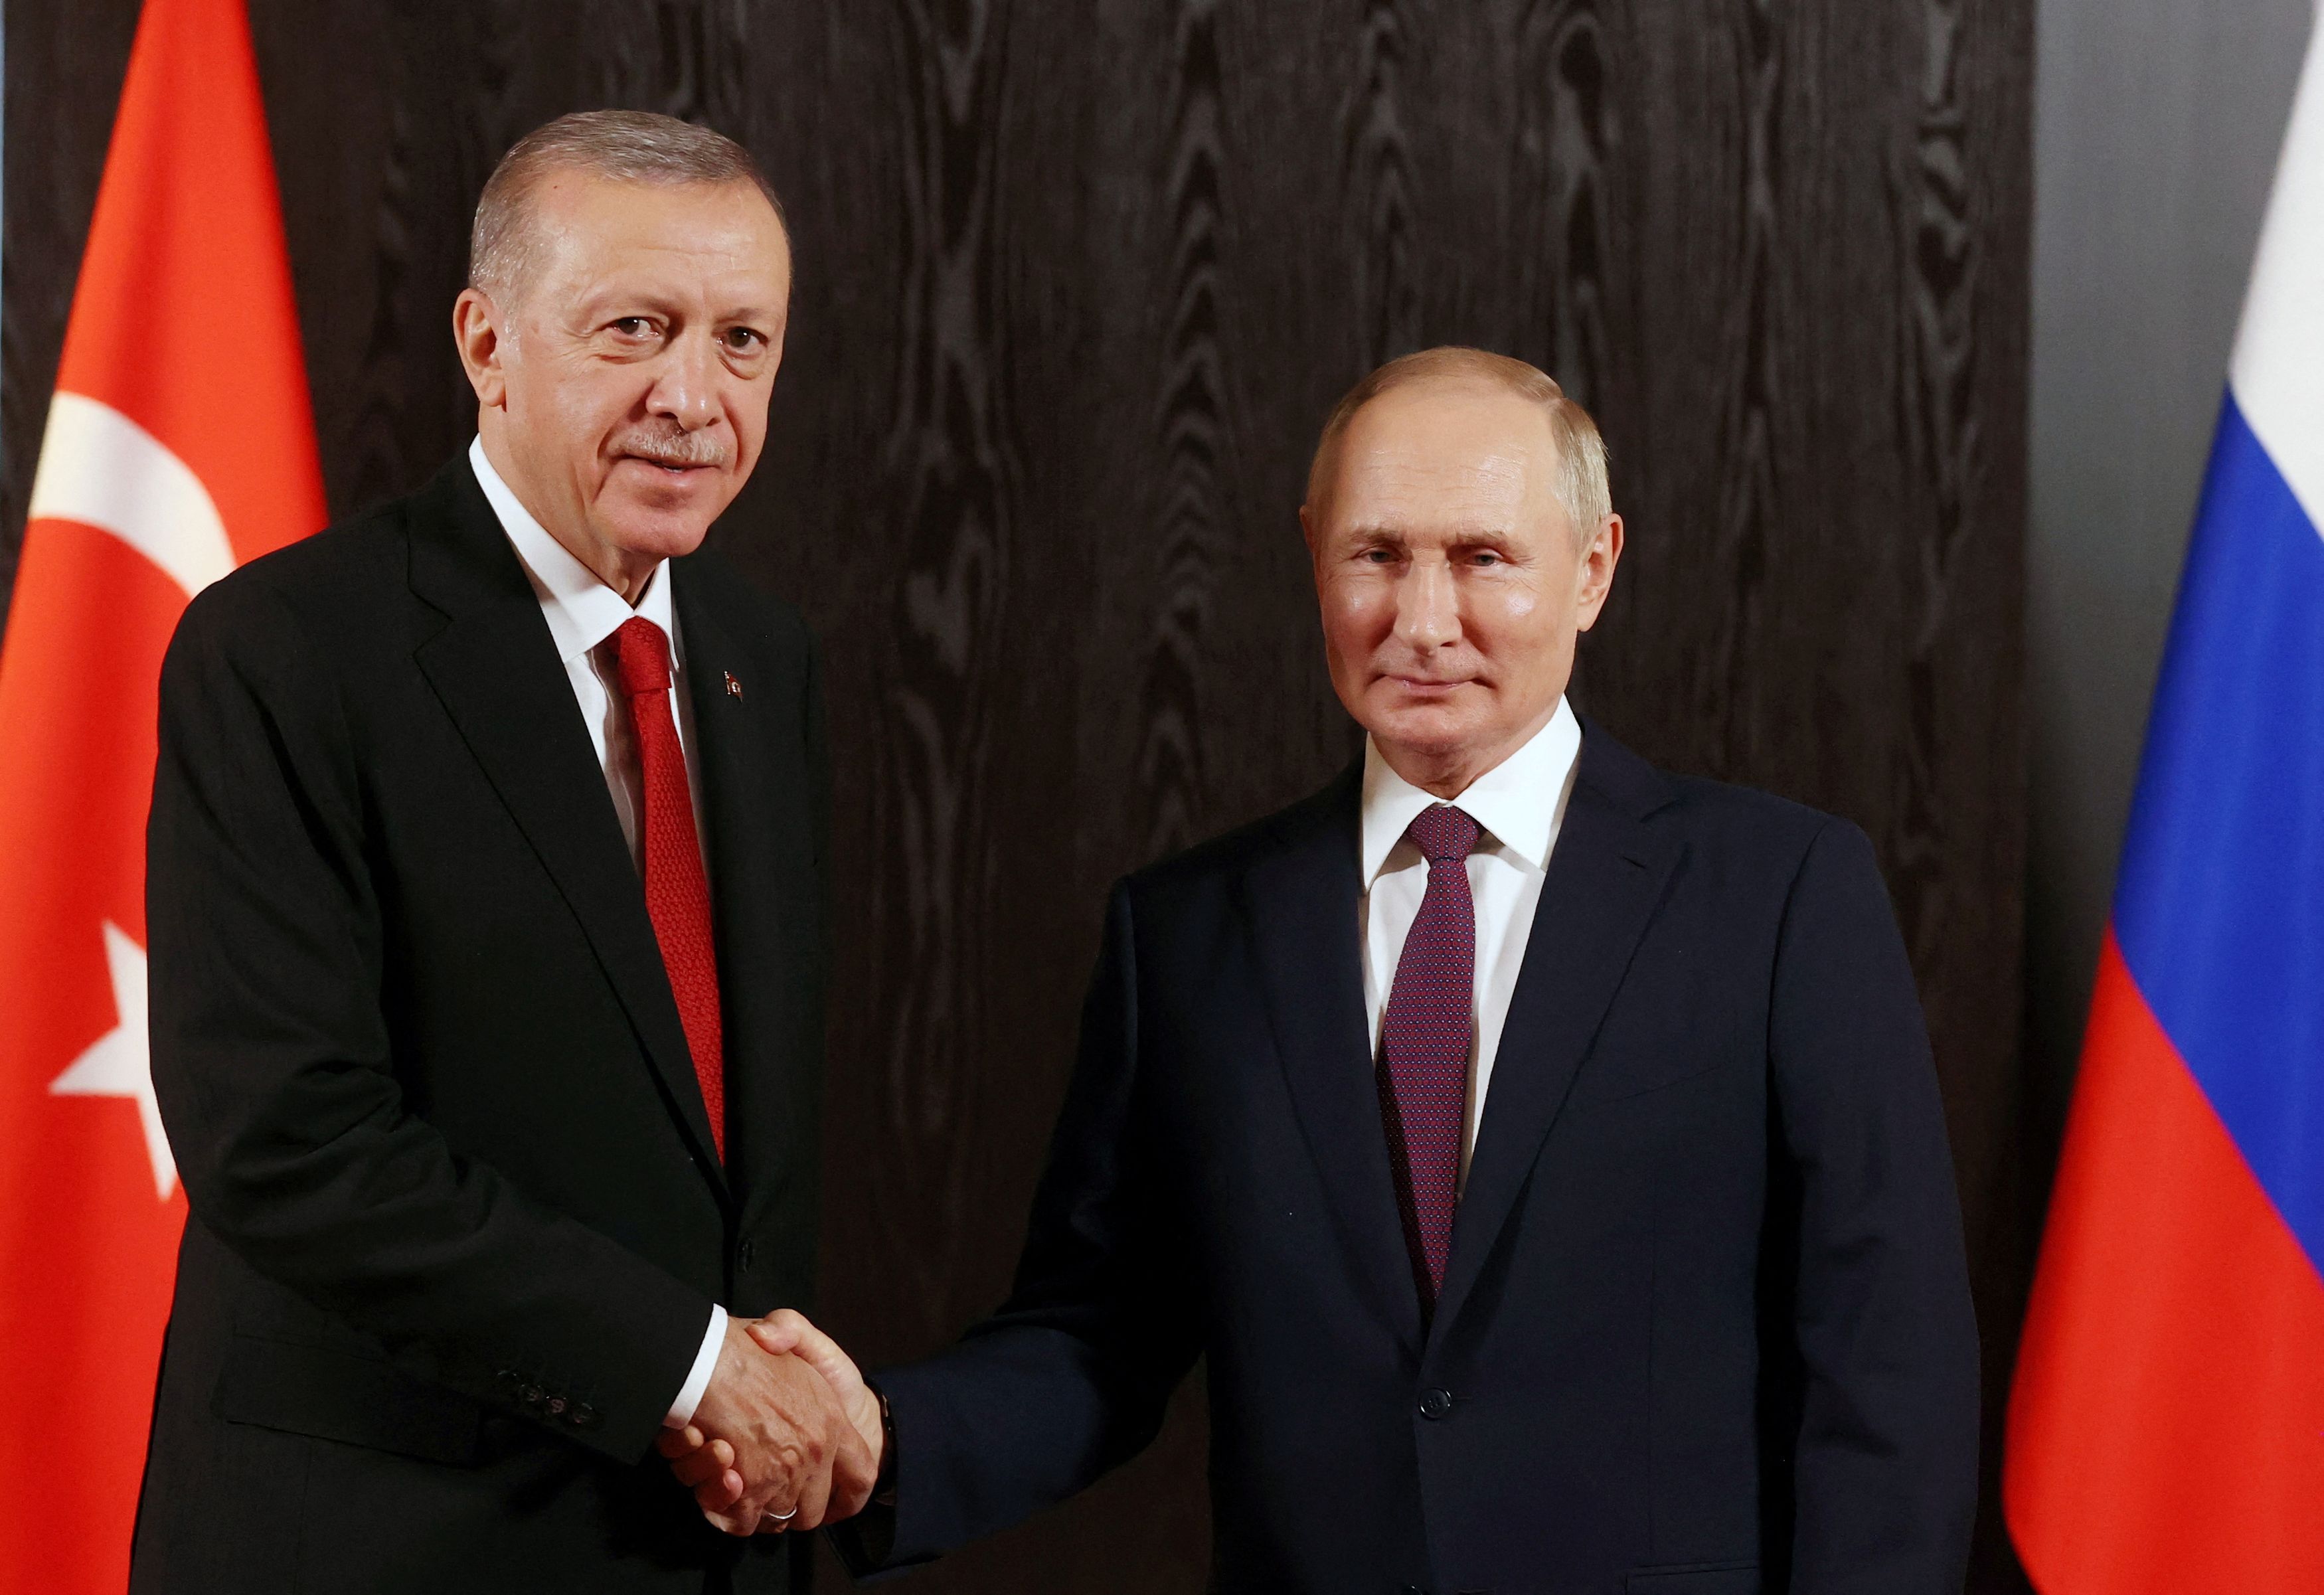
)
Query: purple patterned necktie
[{"x": 1424, "y": 1036}]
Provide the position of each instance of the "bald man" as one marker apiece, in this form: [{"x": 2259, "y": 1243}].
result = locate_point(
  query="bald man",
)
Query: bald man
[
  {"x": 1541, "y": 1151},
  {"x": 486, "y": 903}
]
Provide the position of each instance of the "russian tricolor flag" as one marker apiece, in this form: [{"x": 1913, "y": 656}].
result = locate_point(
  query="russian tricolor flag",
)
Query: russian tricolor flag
[{"x": 2166, "y": 1431}]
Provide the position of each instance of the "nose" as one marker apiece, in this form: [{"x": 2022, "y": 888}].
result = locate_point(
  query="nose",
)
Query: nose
[
  {"x": 1427, "y": 606},
  {"x": 686, "y": 390}
]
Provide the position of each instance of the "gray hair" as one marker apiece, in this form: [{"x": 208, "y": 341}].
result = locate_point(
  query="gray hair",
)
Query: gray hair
[
  {"x": 623, "y": 146},
  {"x": 1581, "y": 488}
]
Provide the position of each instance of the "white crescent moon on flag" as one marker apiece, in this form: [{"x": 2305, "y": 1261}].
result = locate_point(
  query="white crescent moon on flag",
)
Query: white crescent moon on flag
[{"x": 101, "y": 469}]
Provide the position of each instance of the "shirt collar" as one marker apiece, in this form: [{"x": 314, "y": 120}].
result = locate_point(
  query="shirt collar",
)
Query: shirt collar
[
  {"x": 1517, "y": 802},
  {"x": 581, "y": 610}
]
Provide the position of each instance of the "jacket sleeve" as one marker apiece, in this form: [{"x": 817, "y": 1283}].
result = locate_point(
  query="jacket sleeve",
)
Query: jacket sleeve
[
  {"x": 272, "y": 1061},
  {"x": 1885, "y": 1469},
  {"x": 1071, "y": 1377}
]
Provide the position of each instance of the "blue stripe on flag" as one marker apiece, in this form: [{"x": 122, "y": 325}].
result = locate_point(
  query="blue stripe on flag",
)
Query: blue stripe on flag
[{"x": 2219, "y": 907}]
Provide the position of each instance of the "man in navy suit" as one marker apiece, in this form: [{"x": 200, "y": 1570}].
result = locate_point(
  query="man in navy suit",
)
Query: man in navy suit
[{"x": 1543, "y": 1150}]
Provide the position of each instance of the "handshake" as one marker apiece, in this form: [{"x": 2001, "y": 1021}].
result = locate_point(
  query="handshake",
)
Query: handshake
[{"x": 786, "y": 1436}]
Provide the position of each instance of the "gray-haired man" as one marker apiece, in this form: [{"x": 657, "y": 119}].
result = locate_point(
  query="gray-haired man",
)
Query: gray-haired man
[{"x": 487, "y": 884}]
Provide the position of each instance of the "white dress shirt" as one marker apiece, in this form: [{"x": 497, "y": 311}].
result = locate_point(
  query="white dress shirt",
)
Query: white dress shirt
[
  {"x": 1520, "y": 803},
  {"x": 583, "y": 615}
]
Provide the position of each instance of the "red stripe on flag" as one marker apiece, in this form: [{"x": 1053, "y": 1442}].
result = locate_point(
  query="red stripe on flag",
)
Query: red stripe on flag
[{"x": 2166, "y": 1430}]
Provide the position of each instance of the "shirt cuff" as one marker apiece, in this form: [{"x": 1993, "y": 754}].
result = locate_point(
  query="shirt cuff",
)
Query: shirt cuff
[{"x": 697, "y": 1378}]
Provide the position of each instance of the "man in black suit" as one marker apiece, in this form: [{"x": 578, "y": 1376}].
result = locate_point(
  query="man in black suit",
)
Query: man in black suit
[
  {"x": 1543, "y": 1151},
  {"x": 487, "y": 902}
]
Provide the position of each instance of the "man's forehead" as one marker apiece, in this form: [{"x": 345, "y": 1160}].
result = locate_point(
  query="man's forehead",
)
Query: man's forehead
[
  {"x": 595, "y": 223},
  {"x": 1441, "y": 458},
  {"x": 1445, "y": 445},
  {"x": 1444, "y": 413}
]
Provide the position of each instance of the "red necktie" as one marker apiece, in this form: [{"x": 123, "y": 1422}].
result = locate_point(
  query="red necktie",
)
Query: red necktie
[
  {"x": 1424, "y": 1038},
  {"x": 678, "y": 893}
]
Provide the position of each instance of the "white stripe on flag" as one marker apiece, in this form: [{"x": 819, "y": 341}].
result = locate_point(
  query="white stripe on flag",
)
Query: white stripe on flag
[{"x": 2278, "y": 370}]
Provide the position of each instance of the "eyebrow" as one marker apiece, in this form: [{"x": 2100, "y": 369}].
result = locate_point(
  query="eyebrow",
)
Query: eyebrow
[
  {"x": 1463, "y": 536},
  {"x": 593, "y": 306}
]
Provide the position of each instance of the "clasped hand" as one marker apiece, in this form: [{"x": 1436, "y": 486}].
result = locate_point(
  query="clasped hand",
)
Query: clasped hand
[{"x": 786, "y": 1436}]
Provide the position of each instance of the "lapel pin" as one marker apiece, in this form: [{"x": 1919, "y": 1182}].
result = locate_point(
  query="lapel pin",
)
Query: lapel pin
[{"x": 733, "y": 687}]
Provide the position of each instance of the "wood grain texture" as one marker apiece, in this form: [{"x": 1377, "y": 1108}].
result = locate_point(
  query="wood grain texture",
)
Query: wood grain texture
[{"x": 1075, "y": 285}]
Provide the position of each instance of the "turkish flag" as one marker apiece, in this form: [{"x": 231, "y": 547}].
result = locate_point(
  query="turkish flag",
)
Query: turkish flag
[{"x": 179, "y": 443}]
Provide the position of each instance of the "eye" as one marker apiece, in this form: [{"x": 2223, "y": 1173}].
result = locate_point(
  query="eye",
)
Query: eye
[
  {"x": 1484, "y": 557},
  {"x": 744, "y": 340},
  {"x": 633, "y": 327},
  {"x": 1377, "y": 556}
]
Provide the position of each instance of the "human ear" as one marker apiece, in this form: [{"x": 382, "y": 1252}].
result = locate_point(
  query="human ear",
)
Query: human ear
[
  {"x": 1598, "y": 562},
  {"x": 477, "y": 334}
]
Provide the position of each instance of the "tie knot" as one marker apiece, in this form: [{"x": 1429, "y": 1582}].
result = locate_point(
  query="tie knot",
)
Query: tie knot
[
  {"x": 644, "y": 655},
  {"x": 1442, "y": 833}
]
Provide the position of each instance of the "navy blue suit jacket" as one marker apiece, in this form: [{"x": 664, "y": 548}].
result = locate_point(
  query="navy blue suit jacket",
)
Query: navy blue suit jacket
[{"x": 1706, "y": 1327}]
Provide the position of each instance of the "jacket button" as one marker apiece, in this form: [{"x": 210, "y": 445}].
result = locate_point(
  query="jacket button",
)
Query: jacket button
[
  {"x": 1413, "y": 1590},
  {"x": 557, "y": 1407},
  {"x": 581, "y": 1416},
  {"x": 1435, "y": 1404},
  {"x": 530, "y": 1395},
  {"x": 748, "y": 1255}
]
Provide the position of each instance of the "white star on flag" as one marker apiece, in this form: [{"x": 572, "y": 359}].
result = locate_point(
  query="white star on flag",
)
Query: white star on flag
[{"x": 118, "y": 1063}]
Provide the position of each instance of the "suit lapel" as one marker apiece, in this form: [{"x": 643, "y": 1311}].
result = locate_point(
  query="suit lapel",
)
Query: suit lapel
[
  {"x": 736, "y": 767},
  {"x": 496, "y": 672},
  {"x": 1605, "y": 879},
  {"x": 756, "y": 844},
  {"x": 1300, "y": 903}
]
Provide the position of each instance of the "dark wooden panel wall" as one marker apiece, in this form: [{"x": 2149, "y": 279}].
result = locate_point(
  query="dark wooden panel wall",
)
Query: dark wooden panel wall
[{"x": 1075, "y": 285}]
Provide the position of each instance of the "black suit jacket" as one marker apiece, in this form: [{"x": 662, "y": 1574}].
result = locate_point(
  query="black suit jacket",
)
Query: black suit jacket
[
  {"x": 457, "y": 1220},
  {"x": 1706, "y": 1326}
]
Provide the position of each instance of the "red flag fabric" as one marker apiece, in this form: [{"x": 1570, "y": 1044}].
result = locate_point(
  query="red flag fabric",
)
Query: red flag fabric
[{"x": 179, "y": 443}]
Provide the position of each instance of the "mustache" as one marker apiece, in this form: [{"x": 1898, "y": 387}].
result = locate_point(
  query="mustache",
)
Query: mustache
[{"x": 669, "y": 446}]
